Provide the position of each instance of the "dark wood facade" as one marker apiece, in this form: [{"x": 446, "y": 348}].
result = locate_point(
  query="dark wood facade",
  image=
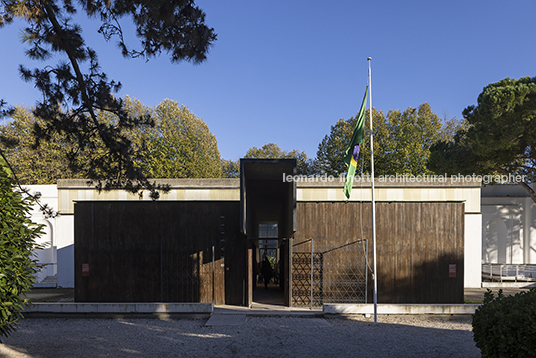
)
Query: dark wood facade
[
  {"x": 417, "y": 245},
  {"x": 161, "y": 251},
  {"x": 139, "y": 251}
]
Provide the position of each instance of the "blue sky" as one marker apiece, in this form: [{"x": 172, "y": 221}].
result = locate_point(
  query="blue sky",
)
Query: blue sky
[{"x": 285, "y": 71}]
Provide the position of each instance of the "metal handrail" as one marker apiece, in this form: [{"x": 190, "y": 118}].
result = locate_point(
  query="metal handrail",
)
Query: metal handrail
[{"x": 509, "y": 272}]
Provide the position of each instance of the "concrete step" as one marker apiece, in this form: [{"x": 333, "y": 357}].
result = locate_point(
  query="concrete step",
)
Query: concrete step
[{"x": 48, "y": 282}]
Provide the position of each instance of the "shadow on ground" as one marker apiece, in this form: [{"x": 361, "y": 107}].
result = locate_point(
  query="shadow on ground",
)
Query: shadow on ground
[{"x": 256, "y": 337}]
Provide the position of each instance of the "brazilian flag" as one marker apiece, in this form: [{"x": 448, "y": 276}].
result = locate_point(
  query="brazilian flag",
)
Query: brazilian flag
[{"x": 350, "y": 157}]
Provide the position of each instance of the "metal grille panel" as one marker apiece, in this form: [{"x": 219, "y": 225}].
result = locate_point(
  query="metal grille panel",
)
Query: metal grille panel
[{"x": 329, "y": 271}]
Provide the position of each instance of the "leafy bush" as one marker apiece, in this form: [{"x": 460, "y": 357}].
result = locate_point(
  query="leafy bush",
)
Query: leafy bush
[
  {"x": 505, "y": 326},
  {"x": 17, "y": 241}
]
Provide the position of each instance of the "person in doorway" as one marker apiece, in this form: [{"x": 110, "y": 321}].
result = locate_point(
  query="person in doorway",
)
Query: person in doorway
[{"x": 266, "y": 270}]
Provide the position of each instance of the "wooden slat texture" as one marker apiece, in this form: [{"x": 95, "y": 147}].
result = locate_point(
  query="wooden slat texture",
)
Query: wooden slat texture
[
  {"x": 158, "y": 252},
  {"x": 416, "y": 243},
  {"x": 162, "y": 251}
]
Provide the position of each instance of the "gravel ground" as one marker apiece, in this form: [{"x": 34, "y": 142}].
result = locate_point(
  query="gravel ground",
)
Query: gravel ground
[{"x": 393, "y": 336}]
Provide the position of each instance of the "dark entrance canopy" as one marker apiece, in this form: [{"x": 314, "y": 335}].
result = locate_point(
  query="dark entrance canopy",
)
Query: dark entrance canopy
[{"x": 267, "y": 196}]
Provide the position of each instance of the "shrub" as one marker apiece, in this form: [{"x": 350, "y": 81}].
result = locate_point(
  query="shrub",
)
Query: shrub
[
  {"x": 505, "y": 326},
  {"x": 17, "y": 242}
]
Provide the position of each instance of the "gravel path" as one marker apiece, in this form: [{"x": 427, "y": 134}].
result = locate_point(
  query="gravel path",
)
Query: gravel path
[{"x": 393, "y": 336}]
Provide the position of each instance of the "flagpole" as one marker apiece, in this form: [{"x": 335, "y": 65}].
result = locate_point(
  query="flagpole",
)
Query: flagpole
[{"x": 373, "y": 204}]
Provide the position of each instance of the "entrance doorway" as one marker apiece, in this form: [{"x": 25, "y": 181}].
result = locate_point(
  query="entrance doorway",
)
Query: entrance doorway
[
  {"x": 277, "y": 289},
  {"x": 268, "y": 282},
  {"x": 268, "y": 219}
]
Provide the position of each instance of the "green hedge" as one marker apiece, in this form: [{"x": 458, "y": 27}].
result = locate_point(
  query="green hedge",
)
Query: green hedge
[
  {"x": 17, "y": 242},
  {"x": 505, "y": 326}
]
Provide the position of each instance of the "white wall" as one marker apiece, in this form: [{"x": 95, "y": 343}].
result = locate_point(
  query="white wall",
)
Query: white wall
[
  {"x": 530, "y": 232},
  {"x": 472, "y": 248},
  {"x": 65, "y": 250},
  {"x": 502, "y": 231},
  {"x": 47, "y": 254},
  {"x": 58, "y": 241},
  {"x": 508, "y": 225}
]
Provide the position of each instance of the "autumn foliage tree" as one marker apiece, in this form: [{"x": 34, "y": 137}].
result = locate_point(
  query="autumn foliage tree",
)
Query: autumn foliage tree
[
  {"x": 333, "y": 147},
  {"x": 179, "y": 145},
  {"x": 273, "y": 151},
  {"x": 42, "y": 165},
  {"x": 402, "y": 142},
  {"x": 304, "y": 165}
]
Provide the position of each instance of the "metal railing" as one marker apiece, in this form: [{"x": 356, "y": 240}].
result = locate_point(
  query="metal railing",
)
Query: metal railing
[{"x": 509, "y": 272}]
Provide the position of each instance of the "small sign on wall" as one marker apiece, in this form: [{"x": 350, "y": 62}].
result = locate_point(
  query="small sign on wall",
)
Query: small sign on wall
[
  {"x": 452, "y": 270},
  {"x": 85, "y": 270}
]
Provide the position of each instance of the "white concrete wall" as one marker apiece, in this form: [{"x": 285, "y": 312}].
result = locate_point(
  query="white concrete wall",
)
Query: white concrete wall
[
  {"x": 530, "y": 232},
  {"x": 502, "y": 231},
  {"x": 508, "y": 225},
  {"x": 65, "y": 250},
  {"x": 58, "y": 241},
  {"x": 47, "y": 254},
  {"x": 473, "y": 246}
]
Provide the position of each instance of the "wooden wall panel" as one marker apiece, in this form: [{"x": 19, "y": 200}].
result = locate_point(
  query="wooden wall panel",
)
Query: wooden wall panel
[
  {"x": 158, "y": 251},
  {"x": 137, "y": 251},
  {"x": 416, "y": 243}
]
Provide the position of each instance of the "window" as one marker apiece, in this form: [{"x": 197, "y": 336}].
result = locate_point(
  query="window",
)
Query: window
[{"x": 268, "y": 247}]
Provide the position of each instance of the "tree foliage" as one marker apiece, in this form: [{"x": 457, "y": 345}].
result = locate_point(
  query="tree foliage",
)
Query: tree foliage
[
  {"x": 500, "y": 137},
  {"x": 230, "y": 168},
  {"x": 410, "y": 136},
  {"x": 42, "y": 165},
  {"x": 17, "y": 241},
  {"x": 332, "y": 148},
  {"x": 503, "y": 326},
  {"x": 180, "y": 145},
  {"x": 304, "y": 165},
  {"x": 401, "y": 142},
  {"x": 76, "y": 90}
]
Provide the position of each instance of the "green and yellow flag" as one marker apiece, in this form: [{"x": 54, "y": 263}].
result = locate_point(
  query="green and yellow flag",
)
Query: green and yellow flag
[{"x": 350, "y": 157}]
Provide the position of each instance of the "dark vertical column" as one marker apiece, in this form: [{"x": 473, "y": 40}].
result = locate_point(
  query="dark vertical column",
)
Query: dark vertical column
[
  {"x": 250, "y": 279},
  {"x": 286, "y": 272}
]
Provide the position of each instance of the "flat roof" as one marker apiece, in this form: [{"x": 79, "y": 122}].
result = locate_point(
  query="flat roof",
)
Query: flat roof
[{"x": 301, "y": 182}]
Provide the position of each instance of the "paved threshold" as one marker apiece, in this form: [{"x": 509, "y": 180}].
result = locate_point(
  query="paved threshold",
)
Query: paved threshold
[{"x": 268, "y": 310}]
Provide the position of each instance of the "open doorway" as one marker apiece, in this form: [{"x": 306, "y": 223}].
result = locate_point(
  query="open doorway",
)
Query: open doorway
[
  {"x": 269, "y": 282},
  {"x": 268, "y": 220}
]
